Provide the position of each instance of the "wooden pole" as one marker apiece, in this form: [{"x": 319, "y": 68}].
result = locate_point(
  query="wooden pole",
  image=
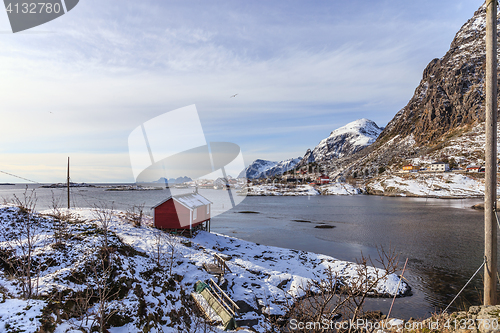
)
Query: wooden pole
[
  {"x": 490, "y": 228},
  {"x": 67, "y": 183}
]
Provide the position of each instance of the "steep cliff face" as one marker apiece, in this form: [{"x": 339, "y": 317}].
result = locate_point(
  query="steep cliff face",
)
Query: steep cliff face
[{"x": 451, "y": 93}]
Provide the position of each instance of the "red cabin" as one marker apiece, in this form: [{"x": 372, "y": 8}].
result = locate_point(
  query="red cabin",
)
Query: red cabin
[
  {"x": 183, "y": 211},
  {"x": 323, "y": 180}
]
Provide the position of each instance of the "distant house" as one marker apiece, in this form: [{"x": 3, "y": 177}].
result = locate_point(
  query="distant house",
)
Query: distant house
[
  {"x": 183, "y": 212},
  {"x": 322, "y": 180},
  {"x": 439, "y": 167},
  {"x": 411, "y": 168},
  {"x": 300, "y": 173},
  {"x": 473, "y": 168}
]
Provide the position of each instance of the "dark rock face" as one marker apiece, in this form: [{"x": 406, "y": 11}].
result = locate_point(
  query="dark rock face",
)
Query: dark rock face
[{"x": 451, "y": 93}]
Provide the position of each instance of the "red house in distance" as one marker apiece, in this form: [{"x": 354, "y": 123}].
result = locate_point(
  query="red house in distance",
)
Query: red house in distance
[
  {"x": 183, "y": 212},
  {"x": 323, "y": 180}
]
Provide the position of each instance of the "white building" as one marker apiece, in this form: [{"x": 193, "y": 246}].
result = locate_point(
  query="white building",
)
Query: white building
[{"x": 439, "y": 167}]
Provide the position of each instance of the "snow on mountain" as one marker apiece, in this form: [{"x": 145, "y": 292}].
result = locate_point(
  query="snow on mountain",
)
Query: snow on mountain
[
  {"x": 263, "y": 168},
  {"x": 433, "y": 185},
  {"x": 345, "y": 140}
]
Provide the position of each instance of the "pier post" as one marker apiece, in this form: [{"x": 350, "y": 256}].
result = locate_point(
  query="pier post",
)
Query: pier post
[{"x": 490, "y": 228}]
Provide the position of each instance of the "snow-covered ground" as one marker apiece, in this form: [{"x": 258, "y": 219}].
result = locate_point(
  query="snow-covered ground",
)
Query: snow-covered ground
[
  {"x": 446, "y": 184},
  {"x": 281, "y": 190},
  {"x": 144, "y": 293},
  {"x": 330, "y": 189},
  {"x": 339, "y": 189}
]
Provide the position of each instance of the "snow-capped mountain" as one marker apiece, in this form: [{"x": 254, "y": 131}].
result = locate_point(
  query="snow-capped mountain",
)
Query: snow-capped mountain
[
  {"x": 345, "y": 140},
  {"x": 444, "y": 118},
  {"x": 263, "y": 168}
]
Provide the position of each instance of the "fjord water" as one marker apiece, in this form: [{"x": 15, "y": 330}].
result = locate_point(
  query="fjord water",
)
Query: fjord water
[{"x": 443, "y": 239}]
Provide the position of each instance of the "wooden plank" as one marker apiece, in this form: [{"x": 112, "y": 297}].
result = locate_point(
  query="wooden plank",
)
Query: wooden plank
[
  {"x": 216, "y": 306},
  {"x": 221, "y": 262},
  {"x": 213, "y": 269},
  {"x": 225, "y": 295},
  {"x": 204, "y": 310}
]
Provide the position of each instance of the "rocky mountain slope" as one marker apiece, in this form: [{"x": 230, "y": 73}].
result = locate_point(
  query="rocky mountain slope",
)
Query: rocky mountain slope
[
  {"x": 444, "y": 120},
  {"x": 342, "y": 142},
  {"x": 263, "y": 168},
  {"x": 451, "y": 92}
]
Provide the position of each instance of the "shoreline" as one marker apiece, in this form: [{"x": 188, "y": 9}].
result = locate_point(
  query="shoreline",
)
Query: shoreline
[
  {"x": 390, "y": 195},
  {"x": 261, "y": 277}
]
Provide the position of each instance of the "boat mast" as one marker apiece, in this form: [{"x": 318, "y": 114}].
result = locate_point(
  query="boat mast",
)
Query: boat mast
[{"x": 490, "y": 228}]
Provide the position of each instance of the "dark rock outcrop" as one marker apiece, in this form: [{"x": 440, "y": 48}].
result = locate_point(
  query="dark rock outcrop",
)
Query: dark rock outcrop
[{"x": 451, "y": 93}]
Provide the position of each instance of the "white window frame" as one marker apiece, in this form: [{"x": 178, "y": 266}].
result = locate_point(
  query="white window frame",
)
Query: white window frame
[
  {"x": 195, "y": 213},
  {"x": 208, "y": 209}
]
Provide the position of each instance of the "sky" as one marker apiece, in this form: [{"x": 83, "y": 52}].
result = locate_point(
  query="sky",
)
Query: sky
[{"x": 79, "y": 85}]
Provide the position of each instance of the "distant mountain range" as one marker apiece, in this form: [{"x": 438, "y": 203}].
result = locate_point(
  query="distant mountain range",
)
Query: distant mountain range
[
  {"x": 263, "y": 168},
  {"x": 173, "y": 180},
  {"x": 343, "y": 141},
  {"x": 443, "y": 121}
]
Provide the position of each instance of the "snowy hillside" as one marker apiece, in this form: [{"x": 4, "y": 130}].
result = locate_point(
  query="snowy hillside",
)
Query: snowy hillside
[
  {"x": 278, "y": 189},
  {"x": 433, "y": 185},
  {"x": 94, "y": 268},
  {"x": 345, "y": 140},
  {"x": 263, "y": 168}
]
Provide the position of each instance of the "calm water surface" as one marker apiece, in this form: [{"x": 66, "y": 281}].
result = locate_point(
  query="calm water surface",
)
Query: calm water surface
[{"x": 443, "y": 239}]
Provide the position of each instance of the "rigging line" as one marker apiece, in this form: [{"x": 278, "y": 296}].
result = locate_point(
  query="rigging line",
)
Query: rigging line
[
  {"x": 63, "y": 189},
  {"x": 484, "y": 261},
  {"x": 10, "y": 174},
  {"x": 498, "y": 222}
]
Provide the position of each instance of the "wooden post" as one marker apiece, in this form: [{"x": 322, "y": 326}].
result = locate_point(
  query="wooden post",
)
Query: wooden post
[
  {"x": 67, "y": 184},
  {"x": 490, "y": 228}
]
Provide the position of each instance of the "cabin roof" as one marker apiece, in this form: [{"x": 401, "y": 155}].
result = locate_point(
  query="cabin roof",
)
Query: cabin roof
[{"x": 189, "y": 200}]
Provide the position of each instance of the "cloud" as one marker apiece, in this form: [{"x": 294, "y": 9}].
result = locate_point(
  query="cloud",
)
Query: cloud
[{"x": 109, "y": 67}]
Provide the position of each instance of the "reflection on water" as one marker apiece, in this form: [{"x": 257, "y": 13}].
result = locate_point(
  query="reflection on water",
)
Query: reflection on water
[{"x": 443, "y": 239}]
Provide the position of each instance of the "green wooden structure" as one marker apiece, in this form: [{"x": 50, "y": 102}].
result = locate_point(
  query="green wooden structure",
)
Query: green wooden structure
[{"x": 219, "y": 301}]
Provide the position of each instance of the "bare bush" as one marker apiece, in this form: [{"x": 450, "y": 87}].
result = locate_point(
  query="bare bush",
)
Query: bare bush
[
  {"x": 60, "y": 219},
  {"x": 333, "y": 297},
  {"x": 102, "y": 269},
  {"x": 22, "y": 238},
  {"x": 158, "y": 249},
  {"x": 171, "y": 251},
  {"x": 134, "y": 214},
  {"x": 104, "y": 216},
  {"x": 163, "y": 250}
]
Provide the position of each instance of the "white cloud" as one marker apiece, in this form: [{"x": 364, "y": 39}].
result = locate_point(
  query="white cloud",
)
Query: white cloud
[{"x": 108, "y": 68}]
